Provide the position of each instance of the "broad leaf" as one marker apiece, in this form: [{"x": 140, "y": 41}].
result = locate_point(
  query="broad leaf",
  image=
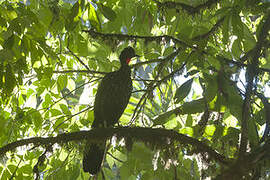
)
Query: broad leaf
[{"x": 183, "y": 91}]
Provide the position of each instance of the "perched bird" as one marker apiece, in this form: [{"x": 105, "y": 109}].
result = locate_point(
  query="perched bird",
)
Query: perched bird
[{"x": 110, "y": 102}]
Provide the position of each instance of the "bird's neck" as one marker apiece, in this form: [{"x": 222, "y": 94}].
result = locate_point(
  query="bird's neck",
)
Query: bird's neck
[{"x": 125, "y": 69}]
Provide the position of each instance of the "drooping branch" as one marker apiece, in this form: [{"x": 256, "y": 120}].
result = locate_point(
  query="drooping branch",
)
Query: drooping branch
[
  {"x": 186, "y": 7},
  {"x": 159, "y": 137}
]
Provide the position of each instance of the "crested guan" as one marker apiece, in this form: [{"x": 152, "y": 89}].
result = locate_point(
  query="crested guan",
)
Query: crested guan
[{"x": 110, "y": 102}]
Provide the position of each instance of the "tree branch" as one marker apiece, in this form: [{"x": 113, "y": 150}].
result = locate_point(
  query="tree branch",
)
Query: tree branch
[
  {"x": 251, "y": 74},
  {"x": 73, "y": 54},
  {"x": 240, "y": 64},
  {"x": 96, "y": 34},
  {"x": 159, "y": 137},
  {"x": 80, "y": 71},
  {"x": 190, "y": 9}
]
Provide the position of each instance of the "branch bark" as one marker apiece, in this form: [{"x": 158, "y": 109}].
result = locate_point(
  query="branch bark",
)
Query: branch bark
[{"x": 159, "y": 137}]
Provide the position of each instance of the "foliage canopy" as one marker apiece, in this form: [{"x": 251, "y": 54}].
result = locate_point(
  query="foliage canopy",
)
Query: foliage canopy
[{"x": 199, "y": 106}]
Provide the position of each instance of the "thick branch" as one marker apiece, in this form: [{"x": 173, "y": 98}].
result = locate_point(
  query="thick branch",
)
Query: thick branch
[
  {"x": 248, "y": 162},
  {"x": 153, "y": 136}
]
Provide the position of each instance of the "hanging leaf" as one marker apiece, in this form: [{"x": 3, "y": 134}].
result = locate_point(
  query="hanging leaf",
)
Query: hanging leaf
[
  {"x": 183, "y": 91},
  {"x": 195, "y": 106},
  {"x": 92, "y": 15},
  {"x": 10, "y": 80},
  {"x": 163, "y": 118},
  {"x": 107, "y": 12},
  {"x": 65, "y": 109},
  {"x": 61, "y": 82}
]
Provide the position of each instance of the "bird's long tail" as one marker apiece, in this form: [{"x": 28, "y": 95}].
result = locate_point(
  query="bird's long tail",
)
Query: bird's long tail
[{"x": 93, "y": 157}]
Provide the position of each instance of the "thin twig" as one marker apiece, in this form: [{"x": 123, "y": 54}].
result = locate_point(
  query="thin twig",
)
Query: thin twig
[{"x": 78, "y": 59}]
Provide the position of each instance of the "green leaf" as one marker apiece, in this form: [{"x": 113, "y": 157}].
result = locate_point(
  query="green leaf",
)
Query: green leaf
[
  {"x": 164, "y": 118},
  {"x": 27, "y": 169},
  {"x": 237, "y": 25},
  {"x": 226, "y": 28},
  {"x": 72, "y": 20},
  {"x": 209, "y": 130},
  {"x": 232, "y": 135},
  {"x": 107, "y": 12},
  {"x": 249, "y": 41},
  {"x": 48, "y": 72},
  {"x": 90, "y": 118},
  {"x": 183, "y": 91},
  {"x": 10, "y": 80},
  {"x": 45, "y": 16},
  {"x": 92, "y": 15},
  {"x": 218, "y": 133},
  {"x": 48, "y": 101},
  {"x": 74, "y": 10},
  {"x": 55, "y": 112},
  {"x": 8, "y": 44},
  {"x": 211, "y": 88},
  {"x": 61, "y": 82},
  {"x": 36, "y": 118},
  {"x": 237, "y": 49},
  {"x": 189, "y": 121},
  {"x": 168, "y": 51},
  {"x": 65, "y": 109},
  {"x": 259, "y": 117},
  {"x": 196, "y": 106},
  {"x": 253, "y": 133}
]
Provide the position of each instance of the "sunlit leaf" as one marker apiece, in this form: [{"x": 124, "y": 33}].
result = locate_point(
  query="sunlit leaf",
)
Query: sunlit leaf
[
  {"x": 163, "y": 118},
  {"x": 61, "y": 82},
  {"x": 94, "y": 21},
  {"x": 65, "y": 109},
  {"x": 10, "y": 80}
]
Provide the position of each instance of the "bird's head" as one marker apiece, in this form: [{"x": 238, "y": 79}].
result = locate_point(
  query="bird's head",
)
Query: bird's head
[{"x": 126, "y": 55}]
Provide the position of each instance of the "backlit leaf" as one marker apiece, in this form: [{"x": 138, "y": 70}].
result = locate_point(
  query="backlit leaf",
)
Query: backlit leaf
[{"x": 183, "y": 91}]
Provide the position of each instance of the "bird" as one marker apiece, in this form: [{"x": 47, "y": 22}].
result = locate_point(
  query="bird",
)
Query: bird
[{"x": 111, "y": 99}]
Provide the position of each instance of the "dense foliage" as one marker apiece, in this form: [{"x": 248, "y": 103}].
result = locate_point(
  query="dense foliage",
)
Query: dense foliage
[{"x": 199, "y": 106}]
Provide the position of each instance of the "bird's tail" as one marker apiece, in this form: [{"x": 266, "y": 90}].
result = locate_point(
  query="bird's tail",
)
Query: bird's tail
[{"x": 93, "y": 157}]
